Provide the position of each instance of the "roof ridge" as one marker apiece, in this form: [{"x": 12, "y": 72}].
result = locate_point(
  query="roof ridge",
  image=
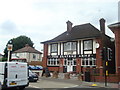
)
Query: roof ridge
[{"x": 27, "y": 49}]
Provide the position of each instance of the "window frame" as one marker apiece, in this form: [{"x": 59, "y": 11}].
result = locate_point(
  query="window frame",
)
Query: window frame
[
  {"x": 51, "y": 47},
  {"x": 91, "y": 49},
  {"x": 70, "y": 47},
  {"x": 53, "y": 62},
  {"x": 87, "y": 62}
]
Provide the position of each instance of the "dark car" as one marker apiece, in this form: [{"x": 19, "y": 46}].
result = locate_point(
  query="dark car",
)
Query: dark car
[{"x": 33, "y": 77}]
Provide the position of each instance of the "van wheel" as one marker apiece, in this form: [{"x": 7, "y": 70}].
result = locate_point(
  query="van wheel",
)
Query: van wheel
[{"x": 21, "y": 88}]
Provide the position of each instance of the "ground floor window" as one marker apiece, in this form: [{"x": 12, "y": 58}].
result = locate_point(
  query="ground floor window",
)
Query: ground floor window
[
  {"x": 53, "y": 62},
  {"x": 69, "y": 62},
  {"x": 88, "y": 61}
]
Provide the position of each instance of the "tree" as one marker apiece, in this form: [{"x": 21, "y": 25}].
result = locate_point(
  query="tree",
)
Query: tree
[{"x": 18, "y": 43}]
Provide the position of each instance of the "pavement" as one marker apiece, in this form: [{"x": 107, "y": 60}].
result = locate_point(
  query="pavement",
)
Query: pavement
[{"x": 81, "y": 84}]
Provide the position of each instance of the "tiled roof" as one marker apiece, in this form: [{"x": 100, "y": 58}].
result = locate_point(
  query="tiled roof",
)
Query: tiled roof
[
  {"x": 77, "y": 32},
  {"x": 27, "y": 48},
  {"x": 114, "y": 25}
]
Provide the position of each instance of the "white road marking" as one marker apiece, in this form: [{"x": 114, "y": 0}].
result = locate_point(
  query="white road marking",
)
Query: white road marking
[
  {"x": 33, "y": 86},
  {"x": 72, "y": 86}
]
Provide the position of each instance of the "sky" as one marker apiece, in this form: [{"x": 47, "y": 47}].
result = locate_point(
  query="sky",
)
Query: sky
[{"x": 42, "y": 20}]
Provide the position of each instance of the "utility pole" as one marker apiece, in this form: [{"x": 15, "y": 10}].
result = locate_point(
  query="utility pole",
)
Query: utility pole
[
  {"x": 105, "y": 56},
  {"x": 9, "y": 48}
]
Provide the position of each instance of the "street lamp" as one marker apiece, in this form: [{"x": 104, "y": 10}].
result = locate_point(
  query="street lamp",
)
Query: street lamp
[{"x": 9, "y": 48}]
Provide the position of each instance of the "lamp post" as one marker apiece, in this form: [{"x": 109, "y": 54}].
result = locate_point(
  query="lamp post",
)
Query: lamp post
[{"x": 9, "y": 48}]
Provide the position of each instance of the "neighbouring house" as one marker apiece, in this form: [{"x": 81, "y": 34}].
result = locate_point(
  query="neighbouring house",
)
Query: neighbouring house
[
  {"x": 79, "y": 50},
  {"x": 32, "y": 56},
  {"x": 115, "y": 28}
]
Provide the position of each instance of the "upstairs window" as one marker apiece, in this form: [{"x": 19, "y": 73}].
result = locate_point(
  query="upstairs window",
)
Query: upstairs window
[
  {"x": 54, "y": 48},
  {"x": 88, "y": 45},
  {"x": 70, "y": 46},
  {"x": 34, "y": 56}
]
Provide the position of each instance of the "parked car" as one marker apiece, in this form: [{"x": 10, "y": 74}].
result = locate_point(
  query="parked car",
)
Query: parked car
[
  {"x": 31, "y": 67},
  {"x": 33, "y": 77}
]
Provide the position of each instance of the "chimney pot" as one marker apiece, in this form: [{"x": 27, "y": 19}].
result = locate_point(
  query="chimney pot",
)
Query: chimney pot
[
  {"x": 69, "y": 26},
  {"x": 26, "y": 45},
  {"x": 102, "y": 25}
]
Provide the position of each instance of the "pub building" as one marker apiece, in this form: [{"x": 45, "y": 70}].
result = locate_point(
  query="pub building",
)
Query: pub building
[{"x": 78, "y": 50}]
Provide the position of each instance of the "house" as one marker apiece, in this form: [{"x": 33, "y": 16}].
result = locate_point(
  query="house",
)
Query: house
[
  {"x": 75, "y": 49},
  {"x": 115, "y": 28},
  {"x": 78, "y": 50},
  {"x": 28, "y": 53}
]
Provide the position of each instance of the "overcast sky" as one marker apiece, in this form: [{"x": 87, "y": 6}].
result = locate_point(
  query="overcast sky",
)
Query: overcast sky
[{"x": 43, "y": 20}]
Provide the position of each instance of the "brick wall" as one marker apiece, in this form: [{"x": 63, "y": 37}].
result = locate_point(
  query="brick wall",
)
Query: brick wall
[
  {"x": 113, "y": 78},
  {"x": 45, "y": 55},
  {"x": 35, "y": 63}
]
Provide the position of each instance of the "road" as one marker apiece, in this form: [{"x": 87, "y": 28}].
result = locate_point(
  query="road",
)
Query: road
[
  {"x": 56, "y": 84},
  {"x": 51, "y": 84}
]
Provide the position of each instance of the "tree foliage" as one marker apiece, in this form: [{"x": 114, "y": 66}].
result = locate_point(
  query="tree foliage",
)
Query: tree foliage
[{"x": 18, "y": 43}]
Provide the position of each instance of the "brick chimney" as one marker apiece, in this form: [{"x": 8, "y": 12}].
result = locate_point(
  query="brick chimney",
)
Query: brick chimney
[
  {"x": 69, "y": 26},
  {"x": 26, "y": 45},
  {"x": 102, "y": 25}
]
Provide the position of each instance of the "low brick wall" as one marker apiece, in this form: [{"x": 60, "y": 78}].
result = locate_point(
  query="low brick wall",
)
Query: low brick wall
[
  {"x": 113, "y": 78},
  {"x": 67, "y": 76},
  {"x": 52, "y": 69},
  {"x": 35, "y": 63}
]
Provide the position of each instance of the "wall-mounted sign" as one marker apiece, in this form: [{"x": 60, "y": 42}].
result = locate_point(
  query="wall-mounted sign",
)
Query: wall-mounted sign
[
  {"x": 97, "y": 45},
  {"x": 73, "y": 56}
]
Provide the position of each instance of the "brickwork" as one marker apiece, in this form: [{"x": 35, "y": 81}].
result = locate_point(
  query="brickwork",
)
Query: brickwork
[
  {"x": 61, "y": 66},
  {"x": 36, "y": 63},
  {"x": 117, "y": 43},
  {"x": 78, "y": 67},
  {"x": 98, "y": 56},
  {"x": 111, "y": 78},
  {"x": 116, "y": 30},
  {"x": 45, "y": 55},
  {"x": 53, "y": 69}
]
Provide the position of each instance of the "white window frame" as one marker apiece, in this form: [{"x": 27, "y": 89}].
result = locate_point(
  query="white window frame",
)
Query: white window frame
[
  {"x": 88, "y": 59},
  {"x": 66, "y": 64},
  {"x": 70, "y": 46},
  {"x": 87, "y": 44},
  {"x": 50, "y": 60},
  {"x": 54, "y": 48}
]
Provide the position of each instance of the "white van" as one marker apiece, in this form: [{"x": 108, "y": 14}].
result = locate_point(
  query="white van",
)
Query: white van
[{"x": 14, "y": 75}]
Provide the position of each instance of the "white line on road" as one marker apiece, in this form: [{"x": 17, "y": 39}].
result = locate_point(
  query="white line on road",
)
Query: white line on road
[
  {"x": 33, "y": 86},
  {"x": 72, "y": 86}
]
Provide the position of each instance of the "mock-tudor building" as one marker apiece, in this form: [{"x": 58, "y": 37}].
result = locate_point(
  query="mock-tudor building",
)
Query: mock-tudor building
[{"x": 78, "y": 49}]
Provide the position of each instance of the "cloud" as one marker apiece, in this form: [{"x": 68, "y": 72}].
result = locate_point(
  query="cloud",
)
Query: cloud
[
  {"x": 8, "y": 27},
  {"x": 42, "y": 20}
]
